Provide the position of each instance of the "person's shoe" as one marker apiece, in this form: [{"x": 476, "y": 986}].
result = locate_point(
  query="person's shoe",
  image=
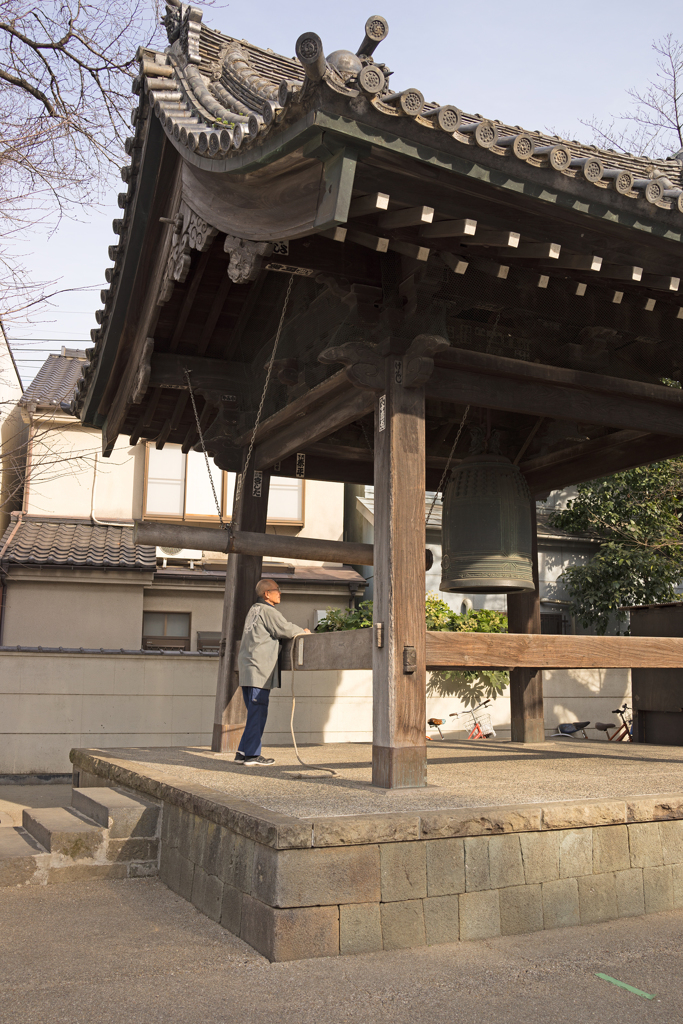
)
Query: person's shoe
[
  {"x": 258, "y": 761},
  {"x": 240, "y": 757}
]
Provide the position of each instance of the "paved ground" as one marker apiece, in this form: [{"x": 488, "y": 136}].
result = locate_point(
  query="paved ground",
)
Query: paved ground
[
  {"x": 132, "y": 952},
  {"x": 461, "y": 774},
  {"x": 14, "y": 798}
]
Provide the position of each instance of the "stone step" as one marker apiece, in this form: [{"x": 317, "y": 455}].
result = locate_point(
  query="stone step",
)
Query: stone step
[
  {"x": 18, "y": 852},
  {"x": 125, "y": 816},
  {"x": 62, "y": 830}
]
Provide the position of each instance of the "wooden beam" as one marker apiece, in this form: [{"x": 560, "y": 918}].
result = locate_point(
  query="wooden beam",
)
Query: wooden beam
[
  {"x": 511, "y": 651},
  {"x": 450, "y": 229},
  {"x": 526, "y": 683},
  {"x": 569, "y": 262},
  {"x": 414, "y": 252},
  {"x": 658, "y": 409},
  {"x": 399, "y": 755},
  {"x": 321, "y": 393},
  {"x": 337, "y": 413},
  {"x": 319, "y": 652},
  {"x": 216, "y": 374},
  {"x": 535, "y": 251},
  {"x": 508, "y": 239},
  {"x": 367, "y": 240},
  {"x": 242, "y": 574},
  {"x": 618, "y": 273},
  {"x": 374, "y": 203},
  {"x": 623, "y": 449},
  {"x": 414, "y": 216},
  {"x": 555, "y": 401},
  {"x": 352, "y": 649}
]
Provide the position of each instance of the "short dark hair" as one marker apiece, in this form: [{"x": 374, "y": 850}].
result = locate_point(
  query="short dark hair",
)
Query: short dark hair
[{"x": 264, "y": 587}]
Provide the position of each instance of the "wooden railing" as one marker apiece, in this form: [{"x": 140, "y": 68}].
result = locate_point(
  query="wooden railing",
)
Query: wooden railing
[{"x": 352, "y": 649}]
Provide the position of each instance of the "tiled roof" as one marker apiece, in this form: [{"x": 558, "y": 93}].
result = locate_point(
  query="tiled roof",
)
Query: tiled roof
[
  {"x": 56, "y": 380},
  {"x": 77, "y": 544},
  {"x": 215, "y": 95},
  {"x": 219, "y": 99}
]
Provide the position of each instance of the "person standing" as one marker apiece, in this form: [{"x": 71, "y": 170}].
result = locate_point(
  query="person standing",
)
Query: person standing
[{"x": 257, "y": 665}]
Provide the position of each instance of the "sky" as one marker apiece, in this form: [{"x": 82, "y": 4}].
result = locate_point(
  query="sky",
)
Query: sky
[{"x": 541, "y": 65}]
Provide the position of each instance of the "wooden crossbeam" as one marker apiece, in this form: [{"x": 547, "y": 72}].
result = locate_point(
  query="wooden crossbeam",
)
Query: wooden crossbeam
[
  {"x": 415, "y": 252},
  {"x": 528, "y": 650},
  {"x": 352, "y": 649},
  {"x": 623, "y": 449},
  {"x": 313, "y": 399},
  {"x": 308, "y": 429},
  {"x": 168, "y": 371},
  {"x": 557, "y": 401},
  {"x": 619, "y": 273},
  {"x": 366, "y": 239}
]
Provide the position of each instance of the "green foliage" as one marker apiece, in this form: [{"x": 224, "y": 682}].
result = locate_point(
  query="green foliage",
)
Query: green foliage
[
  {"x": 346, "y": 618},
  {"x": 637, "y": 516},
  {"x": 470, "y": 687}
]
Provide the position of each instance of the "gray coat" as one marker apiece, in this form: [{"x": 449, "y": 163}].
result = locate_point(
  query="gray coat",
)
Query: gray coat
[{"x": 257, "y": 662}]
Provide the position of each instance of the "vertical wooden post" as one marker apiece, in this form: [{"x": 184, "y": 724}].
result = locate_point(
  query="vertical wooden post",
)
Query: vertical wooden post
[
  {"x": 399, "y": 750},
  {"x": 526, "y": 684},
  {"x": 242, "y": 575}
]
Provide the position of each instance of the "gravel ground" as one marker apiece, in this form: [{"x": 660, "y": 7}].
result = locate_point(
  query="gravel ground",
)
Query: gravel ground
[
  {"x": 132, "y": 952},
  {"x": 461, "y": 774}
]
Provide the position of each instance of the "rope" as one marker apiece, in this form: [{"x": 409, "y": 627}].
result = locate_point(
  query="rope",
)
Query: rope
[
  {"x": 445, "y": 472},
  {"x": 315, "y": 767},
  {"x": 242, "y": 477},
  {"x": 224, "y": 525}
]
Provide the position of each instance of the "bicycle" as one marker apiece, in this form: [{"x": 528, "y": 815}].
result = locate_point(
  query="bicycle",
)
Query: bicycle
[
  {"x": 622, "y": 733},
  {"x": 482, "y": 726}
]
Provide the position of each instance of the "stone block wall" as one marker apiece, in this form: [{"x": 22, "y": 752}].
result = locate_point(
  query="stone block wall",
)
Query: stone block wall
[{"x": 292, "y": 904}]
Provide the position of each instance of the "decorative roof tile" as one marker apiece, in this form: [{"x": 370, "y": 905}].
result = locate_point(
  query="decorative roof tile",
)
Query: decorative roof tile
[{"x": 76, "y": 544}]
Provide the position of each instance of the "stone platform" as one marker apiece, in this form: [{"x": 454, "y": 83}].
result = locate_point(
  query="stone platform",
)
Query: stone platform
[{"x": 506, "y": 839}]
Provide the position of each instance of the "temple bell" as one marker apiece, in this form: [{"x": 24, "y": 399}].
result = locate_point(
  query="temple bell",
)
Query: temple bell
[{"x": 486, "y": 531}]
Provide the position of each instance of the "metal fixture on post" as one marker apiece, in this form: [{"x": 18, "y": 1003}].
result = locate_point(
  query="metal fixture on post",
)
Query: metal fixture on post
[{"x": 487, "y": 540}]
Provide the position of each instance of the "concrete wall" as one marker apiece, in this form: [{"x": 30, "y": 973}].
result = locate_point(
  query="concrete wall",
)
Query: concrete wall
[
  {"x": 51, "y": 702},
  {"x": 75, "y": 611}
]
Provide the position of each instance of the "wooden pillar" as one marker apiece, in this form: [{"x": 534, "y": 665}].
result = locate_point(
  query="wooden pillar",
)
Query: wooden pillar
[
  {"x": 526, "y": 684},
  {"x": 399, "y": 750},
  {"x": 243, "y": 573}
]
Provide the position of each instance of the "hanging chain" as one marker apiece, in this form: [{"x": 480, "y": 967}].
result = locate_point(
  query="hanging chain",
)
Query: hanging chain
[
  {"x": 242, "y": 476},
  {"x": 445, "y": 472},
  {"x": 224, "y": 525}
]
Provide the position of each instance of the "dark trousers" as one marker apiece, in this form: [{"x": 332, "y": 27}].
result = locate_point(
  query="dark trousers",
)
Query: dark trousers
[{"x": 256, "y": 701}]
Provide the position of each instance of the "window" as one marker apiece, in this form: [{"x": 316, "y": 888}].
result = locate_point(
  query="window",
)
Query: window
[
  {"x": 553, "y": 623},
  {"x": 177, "y": 486},
  {"x": 166, "y": 631}
]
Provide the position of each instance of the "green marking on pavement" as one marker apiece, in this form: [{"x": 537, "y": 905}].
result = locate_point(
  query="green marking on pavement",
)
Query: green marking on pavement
[{"x": 622, "y": 984}]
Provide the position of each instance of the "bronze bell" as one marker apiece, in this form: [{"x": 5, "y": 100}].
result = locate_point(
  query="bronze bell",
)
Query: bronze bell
[{"x": 486, "y": 532}]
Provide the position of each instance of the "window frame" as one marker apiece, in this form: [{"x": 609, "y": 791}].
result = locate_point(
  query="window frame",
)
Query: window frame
[
  {"x": 171, "y": 646},
  {"x": 170, "y": 517}
]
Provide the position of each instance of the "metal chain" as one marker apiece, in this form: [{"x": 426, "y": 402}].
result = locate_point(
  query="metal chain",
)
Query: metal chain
[
  {"x": 224, "y": 525},
  {"x": 242, "y": 476},
  {"x": 445, "y": 472}
]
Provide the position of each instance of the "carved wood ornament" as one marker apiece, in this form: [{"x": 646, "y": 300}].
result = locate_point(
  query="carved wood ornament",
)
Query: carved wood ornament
[
  {"x": 365, "y": 363},
  {"x": 190, "y": 231}
]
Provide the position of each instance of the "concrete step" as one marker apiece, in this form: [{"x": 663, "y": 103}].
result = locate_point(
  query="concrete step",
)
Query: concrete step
[
  {"x": 125, "y": 816},
  {"x": 18, "y": 851},
  {"x": 61, "y": 830}
]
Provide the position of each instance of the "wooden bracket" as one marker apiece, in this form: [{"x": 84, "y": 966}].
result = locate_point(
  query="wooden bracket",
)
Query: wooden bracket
[
  {"x": 245, "y": 258},
  {"x": 365, "y": 363}
]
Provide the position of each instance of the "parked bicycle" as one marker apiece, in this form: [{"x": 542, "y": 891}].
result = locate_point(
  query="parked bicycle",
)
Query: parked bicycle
[
  {"x": 622, "y": 733},
  {"x": 481, "y": 726}
]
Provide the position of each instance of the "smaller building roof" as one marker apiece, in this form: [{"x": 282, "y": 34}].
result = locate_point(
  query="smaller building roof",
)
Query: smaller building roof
[
  {"x": 54, "y": 384},
  {"x": 42, "y": 541}
]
